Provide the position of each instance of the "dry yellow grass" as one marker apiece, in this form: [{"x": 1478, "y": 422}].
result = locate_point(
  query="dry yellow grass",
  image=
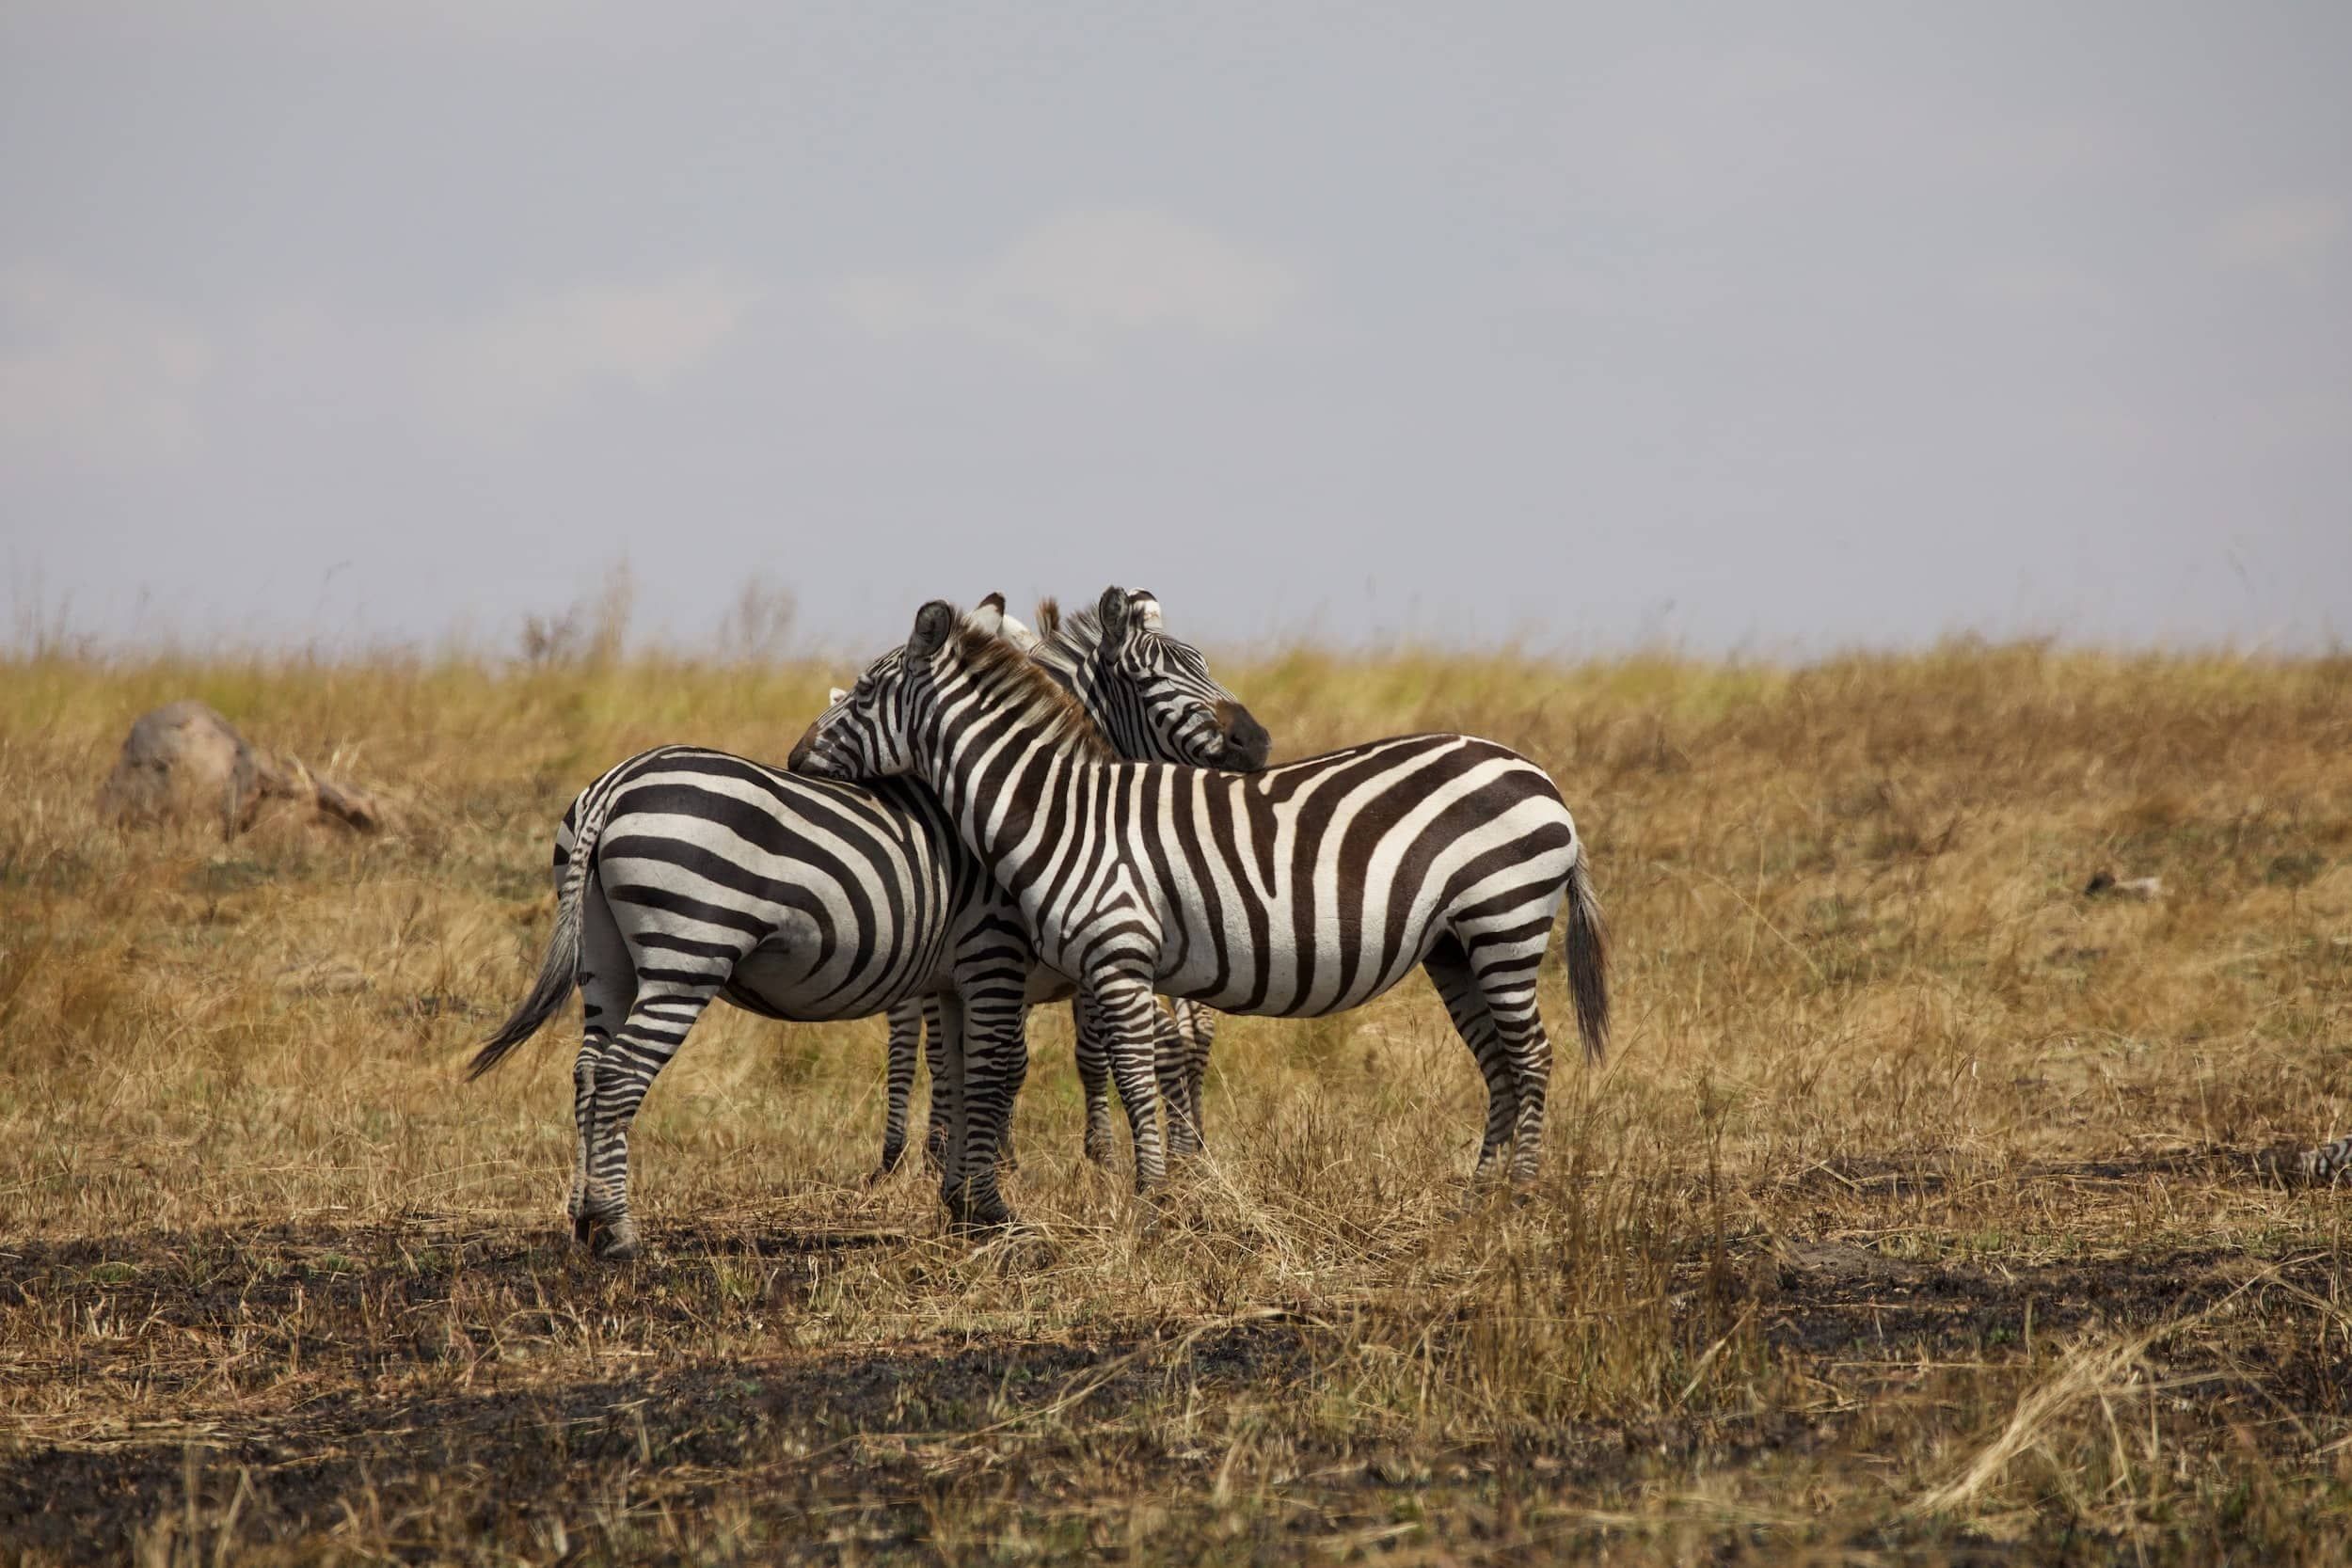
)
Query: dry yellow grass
[{"x": 1921, "y": 1212}]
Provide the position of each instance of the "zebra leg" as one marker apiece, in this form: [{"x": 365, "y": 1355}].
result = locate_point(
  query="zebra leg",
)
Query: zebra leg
[
  {"x": 1198, "y": 1026},
  {"x": 2330, "y": 1163},
  {"x": 943, "y": 1071},
  {"x": 656, "y": 1026},
  {"x": 1170, "y": 1059},
  {"x": 942, "y": 1045},
  {"x": 594, "y": 1040},
  {"x": 995, "y": 1061},
  {"x": 1095, "y": 1078},
  {"x": 607, "y": 988},
  {"x": 1449, "y": 971},
  {"x": 1124, "y": 1007},
  {"x": 906, "y": 1040},
  {"x": 1505, "y": 969},
  {"x": 935, "y": 1139},
  {"x": 994, "y": 1022}
]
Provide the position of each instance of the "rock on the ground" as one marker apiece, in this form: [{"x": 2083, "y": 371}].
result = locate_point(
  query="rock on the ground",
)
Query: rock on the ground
[{"x": 184, "y": 762}]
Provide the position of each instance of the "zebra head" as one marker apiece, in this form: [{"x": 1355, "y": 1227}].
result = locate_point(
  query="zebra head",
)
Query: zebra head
[
  {"x": 867, "y": 731},
  {"x": 1150, "y": 693},
  {"x": 891, "y": 721},
  {"x": 988, "y": 618}
]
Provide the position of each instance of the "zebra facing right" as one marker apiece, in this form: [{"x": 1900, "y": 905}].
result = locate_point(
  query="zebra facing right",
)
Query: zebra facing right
[{"x": 1307, "y": 889}]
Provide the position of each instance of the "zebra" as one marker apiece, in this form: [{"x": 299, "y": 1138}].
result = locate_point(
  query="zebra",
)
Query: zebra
[
  {"x": 1307, "y": 889},
  {"x": 686, "y": 874},
  {"x": 1104, "y": 675},
  {"x": 1113, "y": 685}
]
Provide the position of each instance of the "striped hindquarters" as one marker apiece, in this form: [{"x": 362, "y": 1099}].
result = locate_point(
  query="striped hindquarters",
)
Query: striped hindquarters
[
  {"x": 1318, "y": 884},
  {"x": 809, "y": 900}
]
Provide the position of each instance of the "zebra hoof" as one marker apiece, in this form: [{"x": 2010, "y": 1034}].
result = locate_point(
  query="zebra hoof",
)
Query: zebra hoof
[
  {"x": 973, "y": 1208},
  {"x": 607, "y": 1240}
]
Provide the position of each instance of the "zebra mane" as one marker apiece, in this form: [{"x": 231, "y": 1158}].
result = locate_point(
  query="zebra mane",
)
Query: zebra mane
[
  {"x": 1003, "y": 671},
  {"x": 1065, "y": 643}
]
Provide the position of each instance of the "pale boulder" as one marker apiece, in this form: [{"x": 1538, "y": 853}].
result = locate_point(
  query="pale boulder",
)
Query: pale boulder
[{"x": 186, "y": 763}]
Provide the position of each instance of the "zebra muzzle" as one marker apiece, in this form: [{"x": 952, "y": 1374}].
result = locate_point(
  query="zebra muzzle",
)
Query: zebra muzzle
[{"x": 1246, "y": 742}]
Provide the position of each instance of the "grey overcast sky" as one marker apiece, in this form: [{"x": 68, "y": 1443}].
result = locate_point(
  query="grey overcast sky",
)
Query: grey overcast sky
[{"x": 1765, "y": 327}]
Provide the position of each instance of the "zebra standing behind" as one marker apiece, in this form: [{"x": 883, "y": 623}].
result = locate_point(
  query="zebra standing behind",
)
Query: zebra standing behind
[
  {"x": 1307, "y": 889},
  {"x": 1122, "y": 688}
]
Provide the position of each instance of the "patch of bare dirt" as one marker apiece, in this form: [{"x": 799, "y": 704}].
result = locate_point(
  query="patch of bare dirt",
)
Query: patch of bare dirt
[{"x": 370, "y": 1387}]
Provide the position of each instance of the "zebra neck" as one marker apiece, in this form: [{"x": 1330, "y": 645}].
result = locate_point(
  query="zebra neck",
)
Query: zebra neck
[
  {"x": 1014, "y": 797},
  {"x": 1089, "y": 688}
]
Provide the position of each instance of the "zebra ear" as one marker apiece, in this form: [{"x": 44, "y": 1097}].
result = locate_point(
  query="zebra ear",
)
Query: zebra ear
[
  {"x": 1020, "y": 635},
  {"x": 833, "y": 696},
  {"x": 1145, "y": 607},
  {"x": 933, "y": 624},
  {"x": 1112, "y": 613},
  {"x": 988, "y": 617}
]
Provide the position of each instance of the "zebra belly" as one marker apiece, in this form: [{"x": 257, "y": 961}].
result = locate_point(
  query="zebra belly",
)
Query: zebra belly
[
  {"x": 796, "y": 899},
  {"x": 1265, "y": 984},
  {"x": 788, "y": 976},
  {"x": 1318, "y": 937}
]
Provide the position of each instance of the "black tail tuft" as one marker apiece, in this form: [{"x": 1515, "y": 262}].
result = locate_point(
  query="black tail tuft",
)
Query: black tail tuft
[
  {"x": 1588, "y": 960},
  {"x": 559, "y": 972}
]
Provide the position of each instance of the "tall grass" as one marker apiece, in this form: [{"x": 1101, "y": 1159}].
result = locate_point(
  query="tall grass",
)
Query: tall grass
[{"x": 1874, "y": 1044}]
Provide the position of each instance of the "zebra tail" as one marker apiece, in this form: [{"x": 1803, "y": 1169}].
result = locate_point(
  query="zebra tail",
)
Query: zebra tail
[
  {"x": 559, "y": 970},
  {"x": 1588, "y": 960}
]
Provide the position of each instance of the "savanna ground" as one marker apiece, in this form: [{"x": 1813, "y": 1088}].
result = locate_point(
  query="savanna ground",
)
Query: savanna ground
[{"x": 1925, "y": 1210}]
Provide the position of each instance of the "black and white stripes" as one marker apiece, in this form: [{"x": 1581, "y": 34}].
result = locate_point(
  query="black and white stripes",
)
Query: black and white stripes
[
  {"x": 1310, "y": 888},
  {"x": 686, "y": 874},
  {"x": 1154, "y": 700}
]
